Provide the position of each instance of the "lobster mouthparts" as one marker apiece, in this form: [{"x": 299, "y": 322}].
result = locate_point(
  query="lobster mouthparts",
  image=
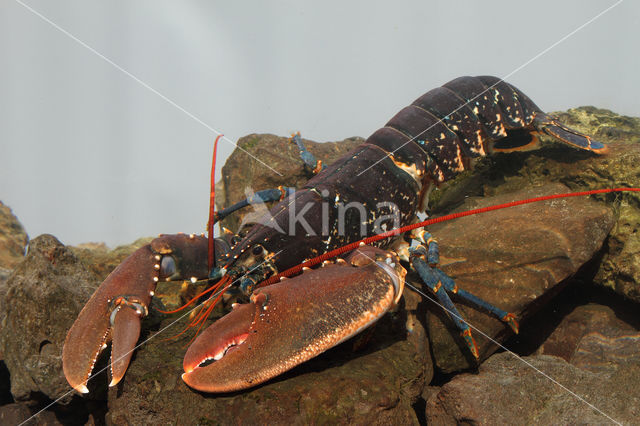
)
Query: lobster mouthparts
[{"x": 288, "y": 323}]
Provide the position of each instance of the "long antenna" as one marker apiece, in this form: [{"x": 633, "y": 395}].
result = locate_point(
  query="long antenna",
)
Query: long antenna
[
  {"x": 211, "y": 252},
  {"x": 393, "y": 232}
]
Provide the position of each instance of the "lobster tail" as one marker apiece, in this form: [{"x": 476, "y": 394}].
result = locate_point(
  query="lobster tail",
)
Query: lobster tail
[
  {"x": 466, "y": 118},
  {"x": 552, "y": 127}
]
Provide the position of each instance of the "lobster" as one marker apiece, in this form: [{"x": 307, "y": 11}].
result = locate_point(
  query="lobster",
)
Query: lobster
[{"x": 388, "y": 177}]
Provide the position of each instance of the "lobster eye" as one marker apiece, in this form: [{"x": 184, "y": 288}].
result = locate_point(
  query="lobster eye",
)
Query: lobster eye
[
  {"x": 257, "y": 250},
  {"x": 167, "y": 266}
]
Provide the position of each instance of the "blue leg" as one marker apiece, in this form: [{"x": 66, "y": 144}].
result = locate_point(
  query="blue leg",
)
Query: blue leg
[
  {"x": 310, "y": 162},
  {"x": 264, "y": 196},
  {"x": 424, "y": 261},
  {"x": 432, "y": 280}
]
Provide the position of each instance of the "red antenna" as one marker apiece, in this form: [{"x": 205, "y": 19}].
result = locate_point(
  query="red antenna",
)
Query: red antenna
[
  {"x": 393, "y": 232},
  {"x": 211, "y": 252}
]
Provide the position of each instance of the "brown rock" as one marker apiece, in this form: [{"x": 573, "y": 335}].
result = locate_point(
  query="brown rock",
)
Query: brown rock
[
  {"x": 17, "y": 413},
  {"x": 99, "y": 259},
  {"x": 584, "y": 322},
  {"x": 14, "y": 414},
  {"x": 510, "y": 390},
  {"x": 13, "y": 239},
  {"x": 44, "y": 295},
  {"x": 511, "y": 258},
  {"x": 600, "y": 363},
  {"x": 242, "y": 174}
]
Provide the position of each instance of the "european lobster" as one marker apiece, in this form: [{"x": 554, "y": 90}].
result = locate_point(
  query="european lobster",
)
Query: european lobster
[{"x": 389, "y": 177}]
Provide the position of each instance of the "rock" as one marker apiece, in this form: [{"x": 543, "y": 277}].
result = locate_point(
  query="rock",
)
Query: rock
[
  {"x": 512, "y": 258},
  {"x": 583, "y": 324},
  {"x": 99, "y": 259},
  {"x": 44, "y": 295},
  {"x": 13, "y": 240},
  {"x": 592, "y": 352},
  {"x": 377, "y": 384},
  {"x": 580, "y": 171},
  {"x": 510, "y": 390},
  {"x": 4, "y": 276},
  {"x": 14, "y": 414},
  {"x": 243, "y": 174},
  {"x": 17, "y": 413}
]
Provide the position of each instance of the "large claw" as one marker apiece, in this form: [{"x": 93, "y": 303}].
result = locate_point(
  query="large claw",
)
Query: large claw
[
  {"x": 114, "y": 311},
  {"x": 286, "y": 324}
]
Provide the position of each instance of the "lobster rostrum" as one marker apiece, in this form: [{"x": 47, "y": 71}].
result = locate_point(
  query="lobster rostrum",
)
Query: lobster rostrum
[{"x": 284, "y": 324}]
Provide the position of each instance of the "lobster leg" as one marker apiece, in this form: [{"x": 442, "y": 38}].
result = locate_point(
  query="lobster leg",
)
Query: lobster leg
[
  {"x": 260, "y": 197},
  {"x": 116, "y": 308},
  {"x": 310, "y": 162},
  {"x": 290, "y": 322},
  {"x": 423, "y": 261}
]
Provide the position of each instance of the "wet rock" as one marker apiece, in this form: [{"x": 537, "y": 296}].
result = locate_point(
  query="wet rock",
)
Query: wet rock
[
  {"x": 510, "y": 390},
  {"x": 376, "y": 384},
  {"x": 242, "y": 174},
  {"x": 44, "y": 295},
  {"x": 579, "y": 171},
  {"x": 512, "y": 258},
  {"x": 13, "y": 240}
]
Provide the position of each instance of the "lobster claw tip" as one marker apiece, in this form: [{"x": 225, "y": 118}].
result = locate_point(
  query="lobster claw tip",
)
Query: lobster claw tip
[
  {"x": 213, "y": 363},
  {"x": 81, "y": 388},
  {"x": 125, "y": 332}
]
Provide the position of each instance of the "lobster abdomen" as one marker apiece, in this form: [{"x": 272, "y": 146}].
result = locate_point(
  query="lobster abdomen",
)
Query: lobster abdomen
[{"x": 459, "y": 121}]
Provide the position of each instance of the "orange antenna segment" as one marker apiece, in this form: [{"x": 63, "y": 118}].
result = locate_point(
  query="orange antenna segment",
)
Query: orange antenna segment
[{"x": 212, "y": 206}]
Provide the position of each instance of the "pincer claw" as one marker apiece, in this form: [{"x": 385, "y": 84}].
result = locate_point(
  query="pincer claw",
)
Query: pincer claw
[
  {"x": 113, "y": 314},
  {"x": 287, "y": 323}
]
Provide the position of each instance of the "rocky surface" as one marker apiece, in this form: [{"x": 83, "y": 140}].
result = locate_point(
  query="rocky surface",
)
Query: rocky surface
[
  {"x": 100, "y": 260},
  {"x": 594, "y": 358},
  {"x": 13, "y": 240},
  {"x": 509, "y": 390},
  {"x": 17, "y": 413},
  {"x": 44, "y": 295},
  {"x": 587, "y": 323}
]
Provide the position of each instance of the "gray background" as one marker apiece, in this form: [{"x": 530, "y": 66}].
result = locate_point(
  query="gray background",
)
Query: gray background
[{"x": 88, "y": 154}]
